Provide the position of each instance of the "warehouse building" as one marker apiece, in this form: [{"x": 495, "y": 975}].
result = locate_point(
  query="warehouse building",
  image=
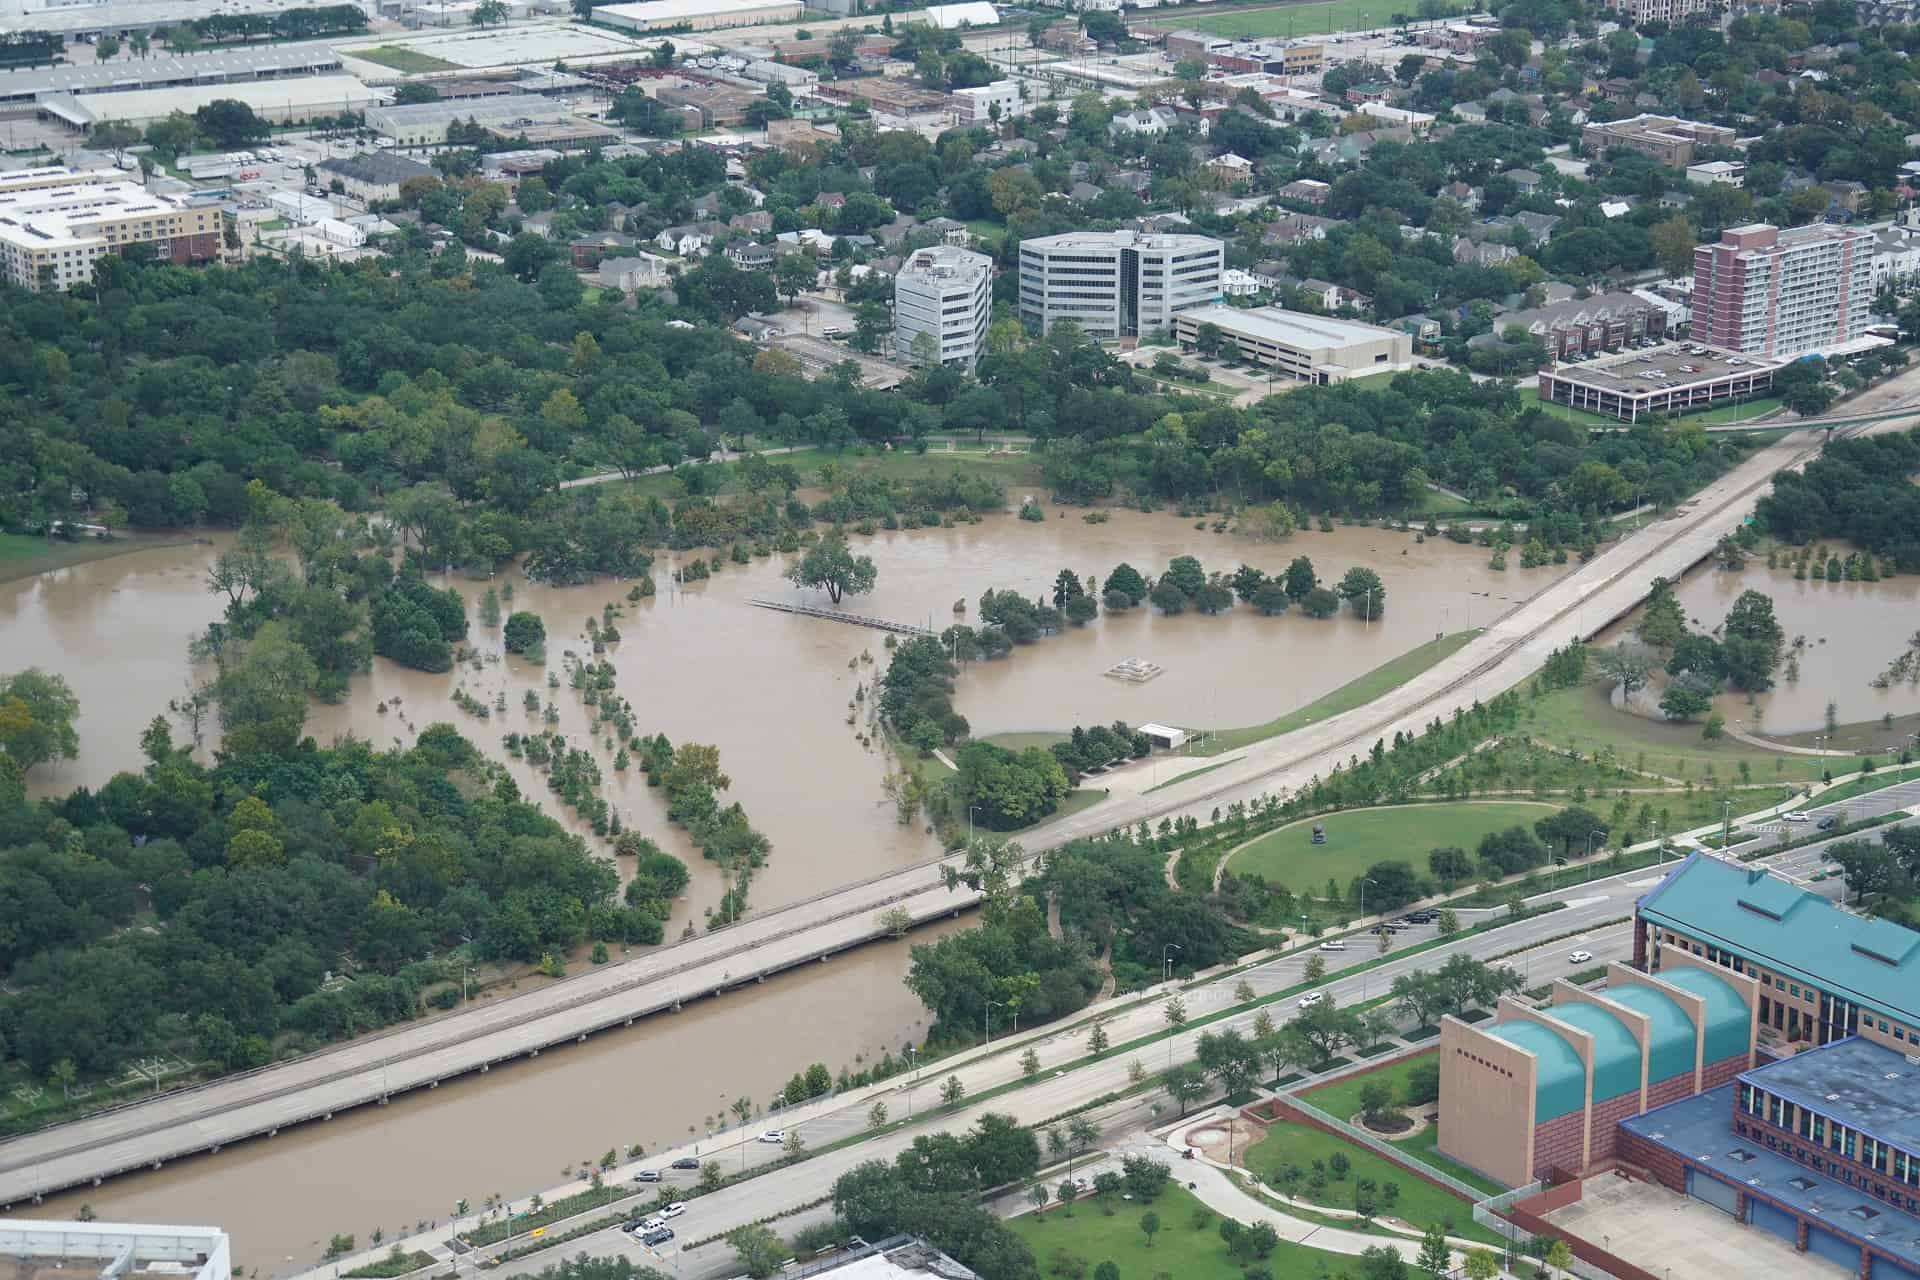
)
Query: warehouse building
[
  {"x": 697, "y": 15},
  {"x": 947, "y": 295},
  {"x": 1308, "y": 348},
  {"x": 289, "y": 101},
  {"x": 1670, "y": 380},
  {"x": 52, "y": 232},
  {"x": 1542, "y": 1091},
  {"x": 425, "y": 124},
  {"x": 21, "y": 88}
]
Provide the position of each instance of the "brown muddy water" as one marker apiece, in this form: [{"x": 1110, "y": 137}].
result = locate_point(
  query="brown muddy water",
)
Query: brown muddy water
[
  {"x": 771, "y": 690},
  {"x": 1853, "y": 630}
]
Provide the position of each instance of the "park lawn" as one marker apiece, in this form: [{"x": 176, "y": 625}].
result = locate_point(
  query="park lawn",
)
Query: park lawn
[
  {"x": 23, "y": 555},
  {"x": 1720, "y": 414},
  {"x": 1299, "y": 19},
  {"x": 1739, "y": 412},
  {"x": 1357, "y": 692},
  {"x": 1420, "y": 1203},
  {"x": 1179, "y": 1248},
  {"x": 1357, "y": 839},
  {"x": 1021, "y": 741},
  {"x": 1872, "y": 782},
  {"x": 1435, "y": 503},
  {"x": 405, "y": 60},
  {"x": 1342, "y": 1097},
  {"x": 1584, "y": 719}
]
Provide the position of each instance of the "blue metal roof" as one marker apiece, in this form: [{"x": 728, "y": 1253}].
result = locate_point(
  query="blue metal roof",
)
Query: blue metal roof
[
  {"x": 1669, "y": 1032},
  {"x": 1865, "y": 1086},
  {"x": 1616, "y": 1054},
  {"x": 1728, "y": 1032},
  {"x": 1560, "y": 1082},
  {"x": 1873, "y": 963},
  {"x": 1700, "y": 1130}
]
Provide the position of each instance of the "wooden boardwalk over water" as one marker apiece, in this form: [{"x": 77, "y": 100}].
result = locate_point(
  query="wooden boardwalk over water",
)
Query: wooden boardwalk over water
[{"x": 838, "y": 615}]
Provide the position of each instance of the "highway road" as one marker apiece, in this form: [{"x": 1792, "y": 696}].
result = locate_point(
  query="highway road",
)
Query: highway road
[
  {"x": 1593, "y": 920},
  {"x": 421, "y": 1054}
]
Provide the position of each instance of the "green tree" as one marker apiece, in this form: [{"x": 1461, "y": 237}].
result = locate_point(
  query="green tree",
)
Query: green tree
[
  {"x": 525, "y": 633},
  {"x": 793, "y": 275},
  {"x": 831, "y": 565},
  {"x": 1149, "y": 1226},
  {"x": 489, "y": 13},
  {"x": 229, "y": 122},
  {"x": 1361, "y": 589},
  {"x": 1481, "y": 1264},
  {"x": 37, "y": 711},
  {"x": 262, "y": 693},
  {"x": 1126, "y": 580},
  {"x": 756, "y": 1249},
  {"x": 1300, "y": 578}
]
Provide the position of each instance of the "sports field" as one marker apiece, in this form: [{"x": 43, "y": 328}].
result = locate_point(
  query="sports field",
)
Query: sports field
[
  {"x": 1358, "y": 839},
  {"x": 1301, "y": 19}
]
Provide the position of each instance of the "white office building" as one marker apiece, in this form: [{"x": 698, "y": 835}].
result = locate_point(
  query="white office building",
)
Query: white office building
[
  {"x": 1117, "y": 284},
  {"x": 947, "y": 294},
  {"x": 976, "y": 105}
]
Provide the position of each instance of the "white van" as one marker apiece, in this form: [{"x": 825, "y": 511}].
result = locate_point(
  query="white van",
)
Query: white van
[{"x": 1335, "y": 945}]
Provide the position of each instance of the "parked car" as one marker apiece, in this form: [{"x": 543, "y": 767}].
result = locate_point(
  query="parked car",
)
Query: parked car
[
  {"x": 1798, "y": 815},
  {"x": 687, "y": 1162},
  {"x": 1580, "y": 957},
  {"x": 647, "y": 1175},
  {"x": 654, "y": 1239},
  {"x": 1826, "y": 823},
  {"x": 1312, "y": 998},
  {"x": 673, "y": 1210},
  {"x": 773, "y": 1136}
]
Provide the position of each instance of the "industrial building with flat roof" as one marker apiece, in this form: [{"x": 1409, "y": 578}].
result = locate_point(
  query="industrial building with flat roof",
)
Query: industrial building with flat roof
[
  {"x": 697, "y": 15},
  {"x": 1309, "y": 348},
  {"x": 285, "y": 101},
  {"x": 131, "y": 17},
  {"x": 123, "y": 1250},
  {"x": 425, "y": 124},
  {"x": 225, "y": 67},
  {"x": 1117, "y": 284},
  {"x": 1672, "y": 379},
  {"x": 52, "y": 232}
]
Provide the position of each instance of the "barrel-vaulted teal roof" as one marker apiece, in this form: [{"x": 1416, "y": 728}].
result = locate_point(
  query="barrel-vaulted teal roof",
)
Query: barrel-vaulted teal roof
[
  {"x": 1792, "y": 931},
  {"x": 1560, "y": 1082},
  {"x": 1669, "y": 1030},
  {"x": 1728, "y": 1030},
  {"x": 1616, "y": 1054}
]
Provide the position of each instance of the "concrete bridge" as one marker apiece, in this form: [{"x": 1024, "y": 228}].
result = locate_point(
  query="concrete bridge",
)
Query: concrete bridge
[{"x": 422, "y": 1054}]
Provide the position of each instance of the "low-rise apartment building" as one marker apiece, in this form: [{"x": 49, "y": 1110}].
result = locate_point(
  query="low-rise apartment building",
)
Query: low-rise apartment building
[
  {"x": 1668, "y": 139},
  {"x": 55, "y": 224}
]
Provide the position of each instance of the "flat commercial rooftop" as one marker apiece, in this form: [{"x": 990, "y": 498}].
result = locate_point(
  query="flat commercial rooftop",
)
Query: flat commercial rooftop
[
  {"x": 1700, "y": 1129},
  {"x": 139, "y": 73},
  {"x": 1290, "y": 328},
  {"x": 1661, "y": 368},
  {"x": 1679, "y": 1238},
  {"x": 1865, "y": 1086},
  {"x": 272, "y": 98},
  {"x": 510, "y": 47}
]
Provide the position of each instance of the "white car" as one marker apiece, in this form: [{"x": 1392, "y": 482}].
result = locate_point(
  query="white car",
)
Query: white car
[
  {"x": 1312, "y": 998},
  {"x": 648, "y": 1224},
  {"x": 773, "y": 1136},
  {"x": 673, "y": 1210},
  {"x": 1799, "y": 815},
  {"x": 1580, "y": 957}
]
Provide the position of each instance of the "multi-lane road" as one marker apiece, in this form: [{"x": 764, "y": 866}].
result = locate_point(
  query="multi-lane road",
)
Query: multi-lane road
[{"x": 424, "y": 1053}]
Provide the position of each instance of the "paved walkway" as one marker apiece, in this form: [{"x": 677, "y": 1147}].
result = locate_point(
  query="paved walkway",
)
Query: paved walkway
[{"x": 1768, "y": 744}]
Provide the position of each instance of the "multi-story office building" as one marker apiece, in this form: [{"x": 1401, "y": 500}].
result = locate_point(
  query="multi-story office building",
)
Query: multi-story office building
[
  {"x": 946, "y": 294},
  {"x": 54, "y": 224},
  {"x": 1765, "y": 291},
  {"x": 1117, "y": 284},
  {"x": 1668, "y": 139}
]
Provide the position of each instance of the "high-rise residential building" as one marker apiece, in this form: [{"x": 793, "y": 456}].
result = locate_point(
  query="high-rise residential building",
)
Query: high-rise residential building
[
  {"x": 55, "y": 223},
  {"x": 1117, "y": 284},
  {"x": 1765, "y": 291},
  {"x": 946, "y": 294}
]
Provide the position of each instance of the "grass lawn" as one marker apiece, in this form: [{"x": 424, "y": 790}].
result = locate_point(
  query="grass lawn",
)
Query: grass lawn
[
  {"x": 1739, "y": 412},
  {"x": 1436, "y": 503},
  {"x": 1357, "y": 692},
  {"x": 1180, "y": 1248},
  {"x": 1021, "y": 741},
  {"x": 1356, "y": 840},
  {"x": 23, "y": 555},
  {"x": 1419, "y": 1202},
  {"x": 1872, "y": 782},
  {"x": 1342, "y": 1097},
  {"x": 389, "y": 55},
  {"x": 1582, "y": 718},
  {"x": 1298, "y": 19},
  {"x": 1530, "y": 395}
]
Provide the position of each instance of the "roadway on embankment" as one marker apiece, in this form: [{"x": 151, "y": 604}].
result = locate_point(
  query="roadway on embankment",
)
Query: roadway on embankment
[{"x": 421, "y": 1054}]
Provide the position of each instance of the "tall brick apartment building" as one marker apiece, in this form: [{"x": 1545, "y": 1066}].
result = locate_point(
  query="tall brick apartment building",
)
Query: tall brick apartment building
[{"x": 1768, "y": 292}]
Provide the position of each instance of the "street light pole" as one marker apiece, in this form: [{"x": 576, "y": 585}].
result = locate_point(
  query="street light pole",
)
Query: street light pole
[
  {"x": 991, "y": 1006},
  {"x": 1166, "y": 961},
  {"x": 1364, "y": 882},
  {"x": 970, "y": 809}
]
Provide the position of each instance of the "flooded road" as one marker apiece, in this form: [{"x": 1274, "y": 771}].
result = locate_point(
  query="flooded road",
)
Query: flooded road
[{"x": 772, "y": 692}]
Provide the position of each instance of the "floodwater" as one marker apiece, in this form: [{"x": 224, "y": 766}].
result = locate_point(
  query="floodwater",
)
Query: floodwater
[
  {"x": 772, "y": 691},
  {"x": 1853, "y": 630},
  {"x": 514, "y": 1129}
]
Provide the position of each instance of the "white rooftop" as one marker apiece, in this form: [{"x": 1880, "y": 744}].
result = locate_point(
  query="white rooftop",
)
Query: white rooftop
[
  {"x": 657, "y": 11},
  {"x": 1293, "y": 328},
  {"x": 136, "y": 73},
  {"x": 947, "y": 262},
  {"x": 972, "y": 13},
  {"x": 62, "y": 217},
  {"x": 303, "y": 94}
]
